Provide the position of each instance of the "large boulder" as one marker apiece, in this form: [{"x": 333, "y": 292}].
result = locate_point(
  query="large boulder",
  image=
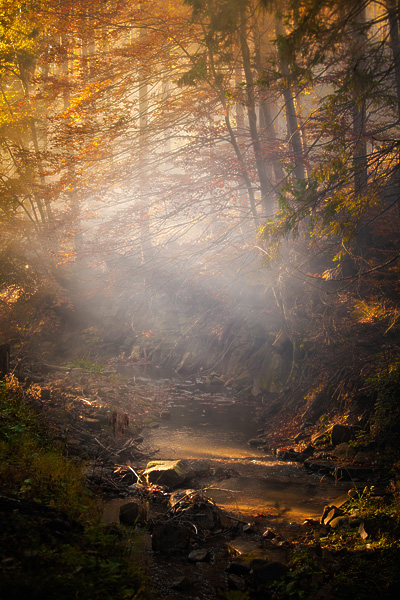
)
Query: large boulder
[
  {"x": 342, "y": 433},
  {"x": 171, "y": 473}
]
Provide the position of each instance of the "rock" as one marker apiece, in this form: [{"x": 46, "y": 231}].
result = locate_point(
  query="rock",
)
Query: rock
[
  {"x": 342, "y": 433},
  {"x": 200, "y": 467},
  {"x": 353, "y": 473},
  {"x": 235, "y": 582},
  {"x": 169, "y": 538},
  {"x": 330, "y": 513},
  {"x": 181, "y": 496},
  {"x": 200, "y": 555},
  {"x": 337, "y": 522},
  {"x": 343, "y": 450},
  {"x": 257, "y": 442},
  {"x": 341, "y": 500},
  {"x": 265, "y": 572},
  {"x": 225, "y": 521},
  {"x": 182, "y": 584},
  {"x": 367, "y": 529},
  {"x": 322, "y": 467},
  {"x": 132, "y": 513},
  {"x": 269, "y": 534},
  {"x": 203, "y": 516},
  {"x": 192, "y": 506},
  {"x": 291, "y": 455},
  {"x": 170, "y": 473},
  {"x": 362, "y": 531},
  {"x": 239, "y": 547},
  {"x": 241, "y": 569}
]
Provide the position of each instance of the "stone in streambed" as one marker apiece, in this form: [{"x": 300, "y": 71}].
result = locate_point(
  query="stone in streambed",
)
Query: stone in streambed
[
  {"x": 235, "y": 582},
  {"x": 182, "y": 584},
  {"x": 171, "y": 473},
  {"x": 200, "y": 555},
  {"x": 241, "y": 569},
  {"x": 257, "y": 442}
]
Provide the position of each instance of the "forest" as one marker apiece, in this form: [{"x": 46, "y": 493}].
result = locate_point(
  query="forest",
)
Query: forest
[{"x": 199, "y": 207}]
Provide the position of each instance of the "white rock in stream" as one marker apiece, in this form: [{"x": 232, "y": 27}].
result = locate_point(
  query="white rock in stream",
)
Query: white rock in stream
[{"x": 170, "y": 473}]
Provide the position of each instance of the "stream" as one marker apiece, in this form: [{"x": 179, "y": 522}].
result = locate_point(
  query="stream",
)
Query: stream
[
  {"x": 213, "y": 425},
  {"x": 209, "y": 425}
]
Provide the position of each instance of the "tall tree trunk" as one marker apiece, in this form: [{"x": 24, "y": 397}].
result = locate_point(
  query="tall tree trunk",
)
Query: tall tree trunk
[
  {"x": 393, "y": 9},
  {"x": 267, "y": 124},
  {"x": 143, "y": 102},
  {"x": 234, "y": 139},
  {"x": 265, "y": 184},
  {"x": 292, "y": 121},
  {"x": 360, "y": 163}
]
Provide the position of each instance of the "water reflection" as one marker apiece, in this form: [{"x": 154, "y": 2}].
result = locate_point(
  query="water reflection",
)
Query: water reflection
[{"x": 265, "y": 485}]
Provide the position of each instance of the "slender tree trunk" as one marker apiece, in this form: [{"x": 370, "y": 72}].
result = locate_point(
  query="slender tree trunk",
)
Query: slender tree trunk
[
  {"x": 243, "y": 169},
  {"x": 360, "y": 163},
  {"x": 143, "y": 98},
  {"x": 267, "y": 124},
  {"x": 265, "y": 184},
  {"x": 393, "y": 9},
  {"x": 292, "y": 121},
  {"x": 234, "y": 140},
  {"x": 64, "y": 71}
]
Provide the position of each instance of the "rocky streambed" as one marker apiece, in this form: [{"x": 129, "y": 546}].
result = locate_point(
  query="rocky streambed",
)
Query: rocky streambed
[{"x": 220, "y": 509}]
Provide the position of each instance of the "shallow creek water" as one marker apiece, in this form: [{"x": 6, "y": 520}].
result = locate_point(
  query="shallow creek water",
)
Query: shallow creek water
[
  {"x": 216, "y": 427},
  {"x": 218, "y": 432}
]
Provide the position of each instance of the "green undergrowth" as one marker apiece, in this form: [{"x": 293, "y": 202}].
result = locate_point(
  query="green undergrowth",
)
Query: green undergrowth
[
  {"x": 53, "y": 544},
  {"x": 357, "y": 561},
  {"x": 385, "y": 422},
  {"x": 87, "y": 365},
  {"x": 341, "y": 563}
]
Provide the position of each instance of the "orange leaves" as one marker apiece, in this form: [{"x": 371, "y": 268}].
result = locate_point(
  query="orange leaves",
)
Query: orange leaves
[{"x": 65, "y": 256}]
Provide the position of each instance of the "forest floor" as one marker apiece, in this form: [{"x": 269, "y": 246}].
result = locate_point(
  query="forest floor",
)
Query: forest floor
[{"x": 99, "y": 417}]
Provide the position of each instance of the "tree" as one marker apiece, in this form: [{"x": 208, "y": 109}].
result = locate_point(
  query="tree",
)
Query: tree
[{"x": 345, "y": 58}]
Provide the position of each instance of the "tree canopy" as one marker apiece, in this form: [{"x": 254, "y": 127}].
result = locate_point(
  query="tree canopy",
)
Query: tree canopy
[{"x": 152, "y": 148}]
